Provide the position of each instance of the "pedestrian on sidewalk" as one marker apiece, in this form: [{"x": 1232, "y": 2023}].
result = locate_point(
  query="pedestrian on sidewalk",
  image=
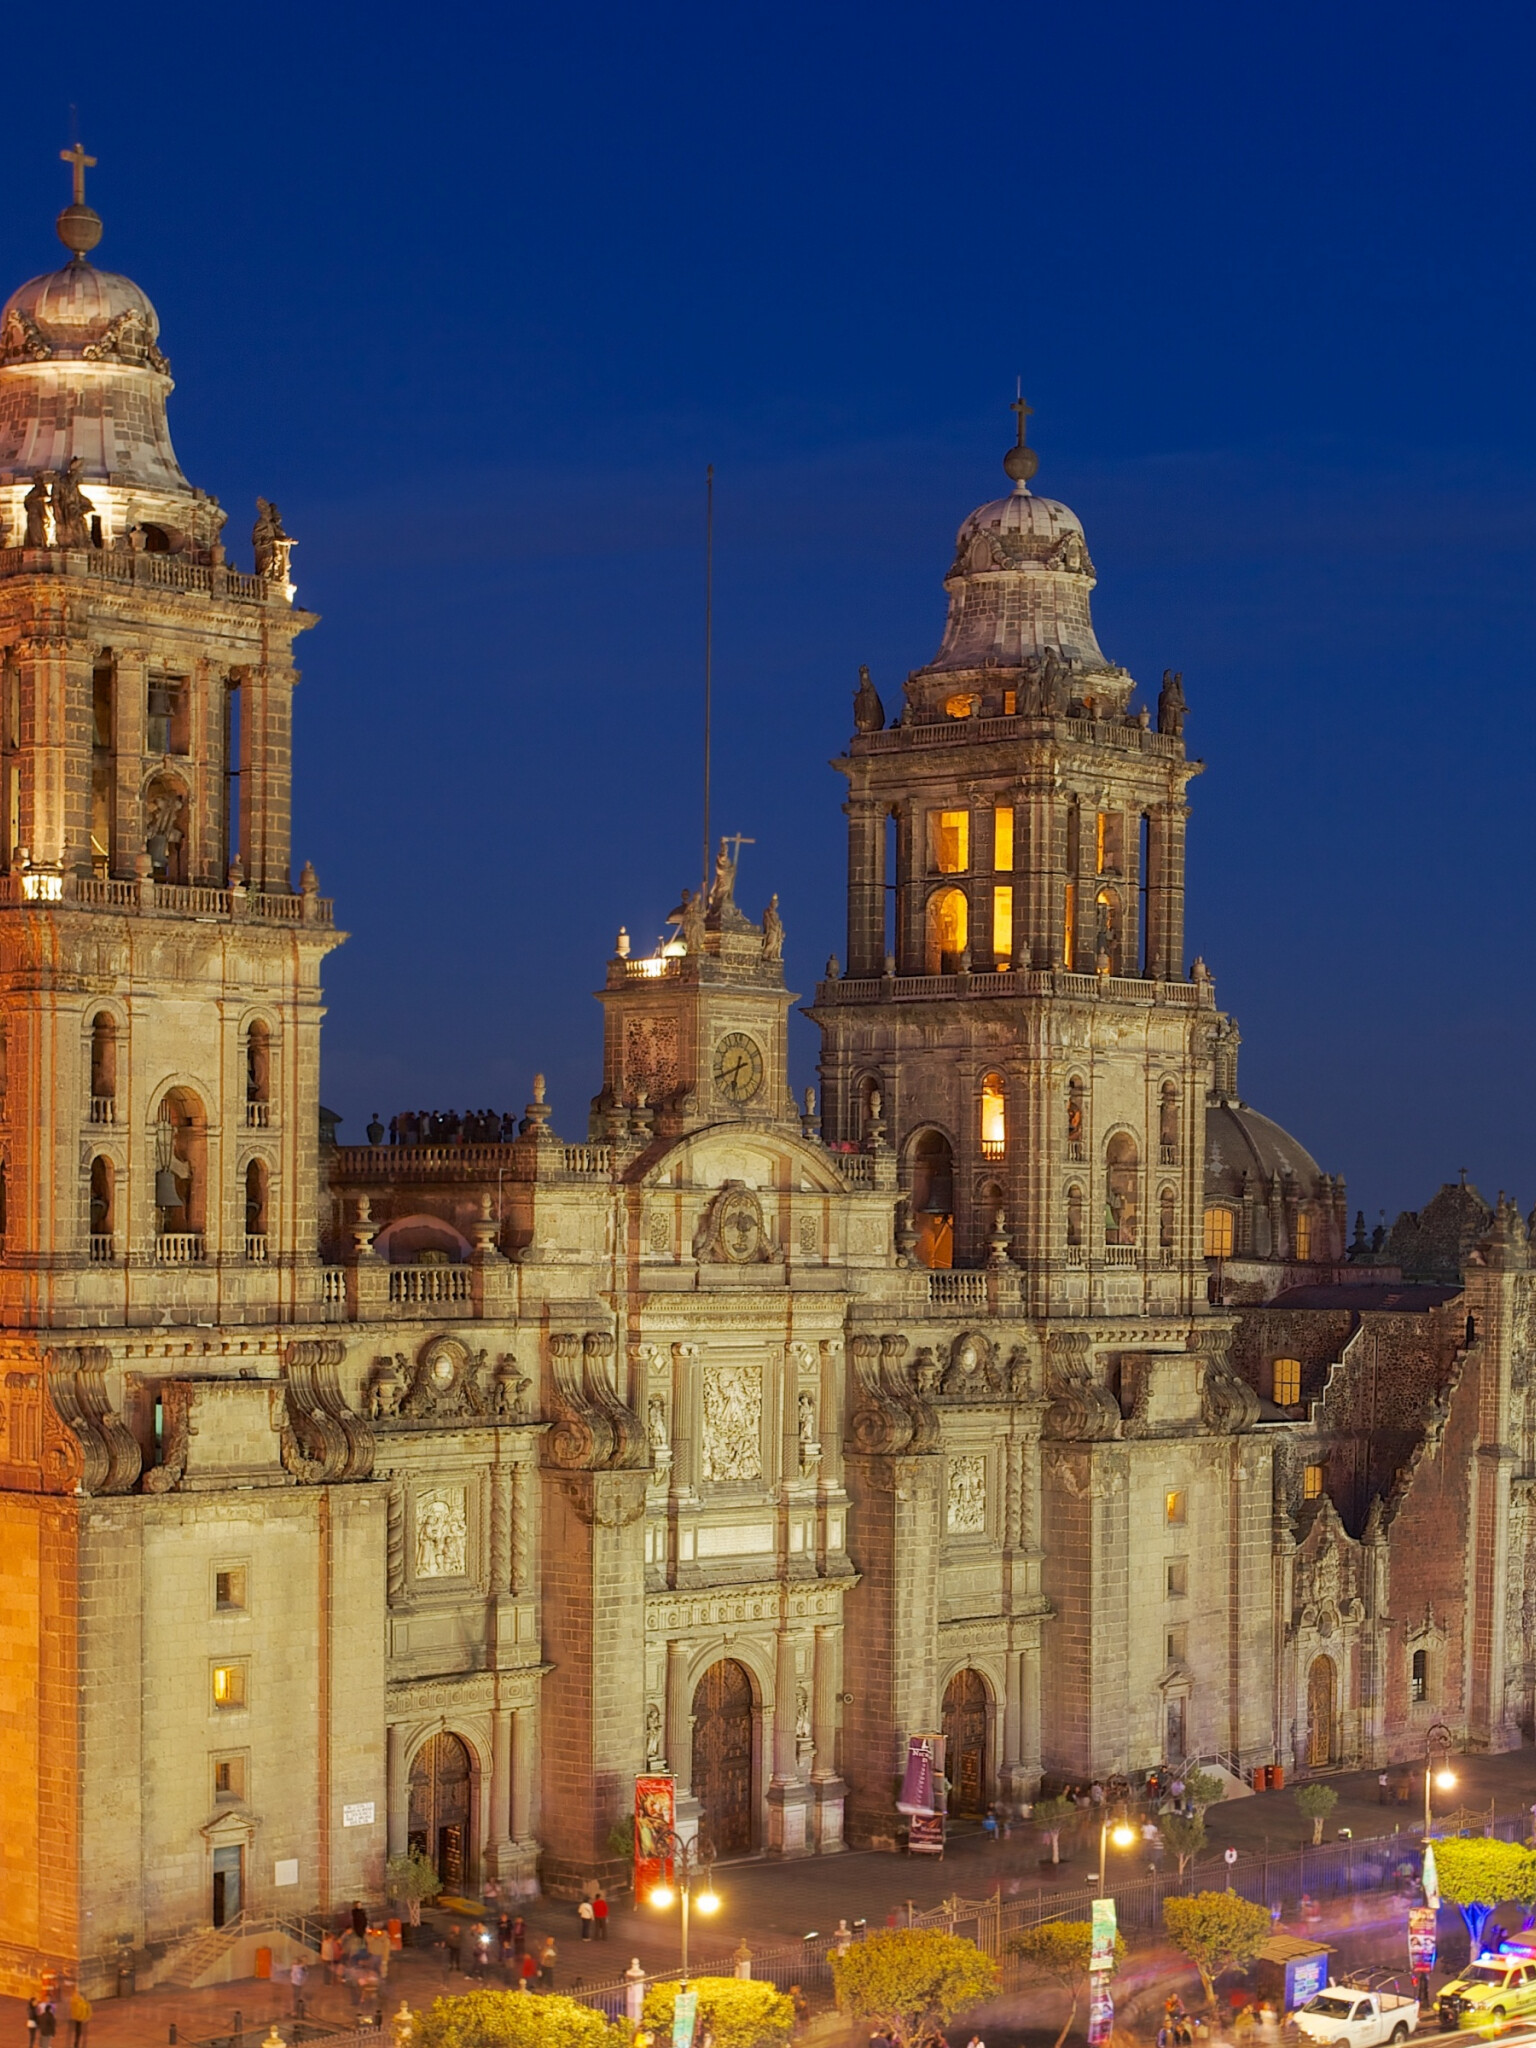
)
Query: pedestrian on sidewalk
[
  {"x": 79, "y": 2016},
  {"x": 296, "y": 1979},
  {"x": 359, "y": 1918},
  {"x": 34, "y": 2014},
  {"x": 527, "y": 1970},
  {"x": 547, "y": 1963},
  {"x": 519, "y": 1936},
  {"x": 586, "y": 1916},
  {"x": 504, "y": 1938},
  {"x": 1383, "y": 1790},
  {"x": 455, "y": 1946},
  {"x": 600, "y": 1914}
]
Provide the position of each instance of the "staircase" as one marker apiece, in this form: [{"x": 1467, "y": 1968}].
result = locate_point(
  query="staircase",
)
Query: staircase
[{"x": 194, "y": 1961}]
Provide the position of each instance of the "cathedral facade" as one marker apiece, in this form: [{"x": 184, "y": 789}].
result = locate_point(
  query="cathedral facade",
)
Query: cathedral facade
[{"x": 423, "y": 1493}]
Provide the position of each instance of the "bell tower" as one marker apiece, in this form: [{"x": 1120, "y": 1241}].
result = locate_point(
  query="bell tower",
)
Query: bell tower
[
  {"x": 1015, "y": 995},
  {"x": 159, "y": 971}
]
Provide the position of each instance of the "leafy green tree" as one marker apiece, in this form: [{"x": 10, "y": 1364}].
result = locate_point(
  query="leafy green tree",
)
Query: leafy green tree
[
  {"x": 1478, "y": 1873},
  {"x": 1051, "y": 1816},
  {"x": 740, "y": 2011},
  {"x": 1202, "y": 1789},
  {"x": 410, "y": 1879},
  {"x": 1058, "y": 1952},
  {"x": 511, "y": 2019},
  {"x": 1184, "y": 1835},
  {"x": 1217, "y": 1931},
  {"x": 911, "y": 1981},
  {"x": 1316, "y": 1802}
]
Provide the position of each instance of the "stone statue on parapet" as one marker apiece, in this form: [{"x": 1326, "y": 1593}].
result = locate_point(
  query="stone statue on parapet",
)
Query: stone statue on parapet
[
  {"x": 270, "y": 543},
  {"x": 773, "y": 930},
  {"x": 35, "y": 504},
  {"x": 1171, "y": 706},
  {"x": 71, "y": 509},
  {"x": 868, "y": 711}
]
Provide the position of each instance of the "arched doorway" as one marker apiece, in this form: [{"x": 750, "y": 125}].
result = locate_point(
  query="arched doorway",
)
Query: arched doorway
[
  {"x": 1322, "y": 1714},
  {"x": 722, "y": 1755},
  {"x": 442, "y": 1812},
  {"x": 965, "y": 1741},
  {"x": 933, "y": 1198}
]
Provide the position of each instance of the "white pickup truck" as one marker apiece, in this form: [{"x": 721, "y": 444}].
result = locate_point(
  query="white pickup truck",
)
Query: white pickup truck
[{"x": 1345, "y": 2016}]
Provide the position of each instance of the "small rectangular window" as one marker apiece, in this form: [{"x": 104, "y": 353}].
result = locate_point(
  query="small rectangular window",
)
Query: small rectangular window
[
  {"x": 228, "y": 1687},
  {"x": 1177, "y": 1644},
  {"x": 1303, "y": 1235},
  {"x": 1285, "y": 1382},
  {"x": 1311, "y": 1482},
  {"x": 949, "y": 841},
  {"x": 1419, "y": 1685},
  {"x": 228, "y": 1779},
  {"x": 1010, "y": 703},
  {"x": 1175, "y": 1510},
  {"x": 1177, "y": 1577},
  {"x": 1002, "y": 838},
  {"x": 1218, "y": 1233},
  {"x": 229, "y": 1589},
  {"x": 1002, "y": 926}
]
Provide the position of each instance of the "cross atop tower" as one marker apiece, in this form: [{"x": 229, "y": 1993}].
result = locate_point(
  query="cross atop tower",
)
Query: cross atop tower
[
  {"x": 79, "y": 162},
  {"x": 1023, "y": 408},
  {"x": 1021, "y": 461}
]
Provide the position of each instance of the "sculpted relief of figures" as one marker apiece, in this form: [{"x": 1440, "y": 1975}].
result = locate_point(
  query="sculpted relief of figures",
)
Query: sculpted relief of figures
[
  {"x": 967, "y": 1505},
  {"x": 442, "y": 1535},
  {"x": 733, "y": 1421}
]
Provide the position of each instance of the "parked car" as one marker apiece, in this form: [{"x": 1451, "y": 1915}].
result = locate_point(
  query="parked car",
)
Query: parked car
[
  {"x": 1498, "y": 1985},
  {"x": 1349, "y": 2016}
]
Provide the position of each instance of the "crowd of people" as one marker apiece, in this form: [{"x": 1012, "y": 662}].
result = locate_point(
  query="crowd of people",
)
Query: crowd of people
[
  {"x": 447, "y": 1127},
  {"x": 524, "y": 1961}
]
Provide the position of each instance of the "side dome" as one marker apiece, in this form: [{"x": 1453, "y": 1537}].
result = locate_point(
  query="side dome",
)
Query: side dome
[
  {"x": 1239, "y": 1141},
  {"x": 81, "y": 314}
]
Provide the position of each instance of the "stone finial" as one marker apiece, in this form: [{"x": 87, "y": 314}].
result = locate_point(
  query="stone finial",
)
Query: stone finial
[{"x": 621, "y": 943}]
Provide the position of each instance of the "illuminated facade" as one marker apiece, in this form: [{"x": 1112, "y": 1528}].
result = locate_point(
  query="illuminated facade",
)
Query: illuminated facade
[{"x": 421, "y": 1494}]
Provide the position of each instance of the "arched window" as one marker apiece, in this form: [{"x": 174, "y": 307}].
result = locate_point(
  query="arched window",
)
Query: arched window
[
  {"x": 868, "y": 1101},
  {"x": 104, "y": 1068},
  {"x": 1166, "y": 1220},
  {"x": 1168, "y": 1124},
  {"x": 103, "y": 1207},
  {"x": 1075, "y": 1209},
  {"x": 1076, "y": 1102},
  {"x": 994, "y": 1117},
  {"x": 1418, "y": 1681},
  {"x": 181, "y": 1176},
  {"x": 948, "y": 923},
  {"x": 1303, "y": 1248},
  {"x": 1121, "y": 1189},
  {"x": 256, "y": 1211},
  {"x": 1218, "y": 1233},
  {"x": 258, "y": 1076},
  {"x": 1285, "y": 1382},
  {"x": 933, "y": 1198}
]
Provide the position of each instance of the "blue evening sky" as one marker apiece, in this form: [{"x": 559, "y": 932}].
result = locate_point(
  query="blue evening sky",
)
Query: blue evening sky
[{"x": 476, "y": 292}]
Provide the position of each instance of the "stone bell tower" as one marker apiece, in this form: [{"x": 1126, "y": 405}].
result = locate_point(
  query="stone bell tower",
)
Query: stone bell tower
[{"x": 159, "y": 973}]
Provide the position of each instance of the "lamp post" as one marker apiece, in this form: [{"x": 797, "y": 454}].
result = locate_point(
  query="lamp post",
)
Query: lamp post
[
  {"x": 691, "y": 1867},
  {"x": 1123, "y": 1836},
  {"x": 1438, "y": 1738}
]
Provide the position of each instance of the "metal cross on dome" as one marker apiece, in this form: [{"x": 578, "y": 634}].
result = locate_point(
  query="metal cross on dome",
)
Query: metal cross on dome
[
  {"x": 79, "y": 162},
  {"x": 1023, "y": 408}
]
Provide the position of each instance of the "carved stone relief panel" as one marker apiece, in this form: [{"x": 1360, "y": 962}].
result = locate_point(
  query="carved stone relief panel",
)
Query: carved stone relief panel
[
  {"x": 442, "y": 1534},
  {"x": 731, "y": 1439},
  {"x": 966, "y": 1506}
]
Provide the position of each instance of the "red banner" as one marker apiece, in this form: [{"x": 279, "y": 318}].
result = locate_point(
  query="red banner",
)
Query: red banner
[{"x": 655, "y": 1818}]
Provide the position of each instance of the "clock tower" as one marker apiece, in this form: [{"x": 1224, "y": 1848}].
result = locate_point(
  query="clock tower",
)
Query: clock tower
[{"x": 696, "y": 1033}]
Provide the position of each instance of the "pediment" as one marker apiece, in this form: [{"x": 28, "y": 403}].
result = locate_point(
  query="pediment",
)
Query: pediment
[{"x": 764, "y": 1158}]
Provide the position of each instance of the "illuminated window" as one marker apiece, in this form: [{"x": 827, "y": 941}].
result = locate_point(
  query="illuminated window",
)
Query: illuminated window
[
  {"x": 1311, "y": 1482},
  {"x": 1010, "y": 703},
  {"x": 228, "y": 1687},
  {"x": 228, "y": 1779},
  {"x": 1002, "y": 839},
  {"x": 1418, "y": 1682},
  {"x": 1075, "y": 1095},
  {"x": 1107, "y": 842},
  {"x": 1303, "y": 1235},
  {"x": 1069, "y": 926},
  {"x": 948, "y": 919},
  {"x": 962, "y": 705},
  {"x": 229, "y": 1589},
  {"x": 1177, "y": 1577},
  {"x": 949, "y": 841},
  {"x": 1218, "y": 1233},
  {"x": 994, "y": 1117},
  {"x": 1285, "y": 1382},
  {"x": 1175, "y": 1511},
  {"x": 1106, "y": 932},
  {"x": 1002, "y": 926}
]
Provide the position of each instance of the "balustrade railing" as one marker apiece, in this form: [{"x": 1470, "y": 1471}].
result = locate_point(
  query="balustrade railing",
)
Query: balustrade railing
[
  {"x": 1167, "y": 1155},
  {"x": 103, "y": 1248},
  {"x": 957, "y": 1290},
  {"x": 255, "y": 1248},
  {"x": 103, "y": 1109},
  {"x": 180, "y": 1248},
  {"x": 587, "y": 1160},
  {"x": 1019, "y": 981},
  {"x": 993, "y": 1148},
  {"x": 258, "y": 1116},
  {"x": 1077, "y": 1257},
  {"x": 1121, "y": 1255},
  {"x": 102, "y": 892},
  {"x": 427, "y": 1284}
]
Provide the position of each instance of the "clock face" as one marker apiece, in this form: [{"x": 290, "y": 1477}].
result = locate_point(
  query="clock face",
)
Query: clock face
[{"x": 738, "y": 1067}]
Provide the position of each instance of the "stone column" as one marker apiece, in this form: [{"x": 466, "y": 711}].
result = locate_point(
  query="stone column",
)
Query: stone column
[
  {"x": 827, "y": 1786},
  {"x": 866, "y": 886},
  {"x": 685, "y": 1436},
  {"x": 498, "y": 1837},
  {"x": 1029, "y": 1719},
  {"x": 911, "y": 890},
  {"x": 521, "y": 1821},
  {"x": 130, "y": 692},
  {"x": 679, "y": 1717},
  {"x": 397, "y": 1792}
]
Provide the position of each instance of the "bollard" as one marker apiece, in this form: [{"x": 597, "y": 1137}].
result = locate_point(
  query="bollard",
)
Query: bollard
[
  {"x": 237, "y": 2028},
  {"x": 173, "y": 2034}
]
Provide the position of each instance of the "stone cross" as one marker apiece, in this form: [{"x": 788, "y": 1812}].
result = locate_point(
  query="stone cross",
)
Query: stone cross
[{"x": 80, "y": 163}]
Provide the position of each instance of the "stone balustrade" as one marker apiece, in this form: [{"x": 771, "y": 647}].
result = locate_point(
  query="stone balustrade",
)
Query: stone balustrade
[
  {"x": 100, "y": 892},
  {"x": 161, "y": 572},
  {"x": 181, "y": 1248},
  {"x": 1019, "y": 981},
  {"x": 1129, "y": 739}
]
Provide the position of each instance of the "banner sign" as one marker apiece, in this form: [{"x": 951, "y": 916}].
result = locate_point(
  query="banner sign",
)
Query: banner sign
[
  {"x": 1102, "y": 1955},
  {"x": 655, "y": 1808},
  {"x": 925, "y": 1834},
  {"x": 685, "y": 2012},
  {"x": 1421, "y": 1937},
  {"x": 1101, "y": 2009},
  {"x": 919, "y": 1786}
]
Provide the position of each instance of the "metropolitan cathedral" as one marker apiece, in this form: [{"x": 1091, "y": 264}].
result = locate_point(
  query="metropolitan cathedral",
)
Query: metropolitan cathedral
[{"x": 423, "y": 1493}]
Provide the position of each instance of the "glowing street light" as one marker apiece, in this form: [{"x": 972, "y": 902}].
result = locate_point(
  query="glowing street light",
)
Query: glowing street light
[
  {"x": 1121, "y": 1834},
  {"x": 1438, "y": 1738},
  {"x": 690, "y": 1866}
]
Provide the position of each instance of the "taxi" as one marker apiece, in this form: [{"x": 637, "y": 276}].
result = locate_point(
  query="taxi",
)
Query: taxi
[{"x": 1501, "y": 1983}]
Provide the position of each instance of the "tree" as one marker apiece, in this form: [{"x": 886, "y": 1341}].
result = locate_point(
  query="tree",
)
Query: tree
[
  {"x": 1050, "y": 1817},
  {"x": 1316, "y": 1802},
  {"x": 1217, "y": 1931},
  {"x": 911, "y": 1981},
  {"x": 1059, "y": 1951},
  {"x": 410, "y": 1879},
  {"x": 1202, "y": 1789},
  {"x": 511, "y": 2019},
  {"x": 1184, "y": 1835},
  {"x": 741, "y": 2012},
  {"x": 1477, "y": 1873}
]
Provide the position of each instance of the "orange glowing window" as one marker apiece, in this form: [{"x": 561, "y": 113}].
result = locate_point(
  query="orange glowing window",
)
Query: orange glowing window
[
  {"x": 1285, "y": 1383},
  {"x": 949, "y": 841},
  {"x": 1218, "y": 1233},
  {"x": 1175, "y": 1508},
  {"x": 1002, "y": 925},
  {"x": 962, "y": 705},
  {"x": 1002, "y": 838},
  {"x": 994, "y": 1117},
  {"x": 1311, "y": 1482},
  {"x": 228, "y": 1686},
  {"x": 1303, "y": 1236}
]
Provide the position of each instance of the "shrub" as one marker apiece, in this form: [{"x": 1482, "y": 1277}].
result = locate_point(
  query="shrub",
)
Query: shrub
[
  {"x": 911, "y": 1981},
  {"x": 1316, "y": 1802},
  {"x": 513, "y": 2019},
  {"x": 740, "y": 2012},
  {"x": 1217, "y": 1931}
]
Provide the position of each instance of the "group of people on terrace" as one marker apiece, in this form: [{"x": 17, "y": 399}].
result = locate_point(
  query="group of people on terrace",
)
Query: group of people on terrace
[{"x": 447, "y": 1127}]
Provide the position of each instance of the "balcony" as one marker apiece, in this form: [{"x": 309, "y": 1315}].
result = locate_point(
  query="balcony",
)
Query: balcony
[
  {"x": 957, "y": 1290},
  {"x": 993, "y": 1148},
  {"x": 258, "y": 1116},
  {"x": 255, "y": 1248},
  {"x": 103, "y": 1109},
  {"x": 103, "y": 1248},
  {"x": 99, "y": 892},
  {"x": 180, "y": 1248},
  {"x": 1167, "y": 1155},
  {"x": 429, "y": 1284},
  {"x": 1077, "y": 1257},
  {"x": 1121, "y": 1255},
  {"x": 1020, "y": 981}
]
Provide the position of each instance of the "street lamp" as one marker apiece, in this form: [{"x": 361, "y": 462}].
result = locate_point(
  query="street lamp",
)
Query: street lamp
[
  {"x": 1121, "y": 1834},
  {"x": 690, "y": 1867},
  {"x": 1438, "y": 1738}
]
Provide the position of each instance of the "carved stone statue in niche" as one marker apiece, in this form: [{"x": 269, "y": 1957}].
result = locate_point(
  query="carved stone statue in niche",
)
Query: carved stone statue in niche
[
  {"x": 803, "y": 1714},
  {"x": 442, "y": 1535},
  {"x": 656, "y": 1429},
  {"x": 653, "y": 1743},
  {"x": 966, "y": 1507},
  {"x": 810, "y": 1449}
]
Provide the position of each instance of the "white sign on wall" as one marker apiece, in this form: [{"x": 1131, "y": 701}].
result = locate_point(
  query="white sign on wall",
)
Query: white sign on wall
[
  {"x": 360, "y": 1816},
  {"x": 286, "y": 1872}
]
